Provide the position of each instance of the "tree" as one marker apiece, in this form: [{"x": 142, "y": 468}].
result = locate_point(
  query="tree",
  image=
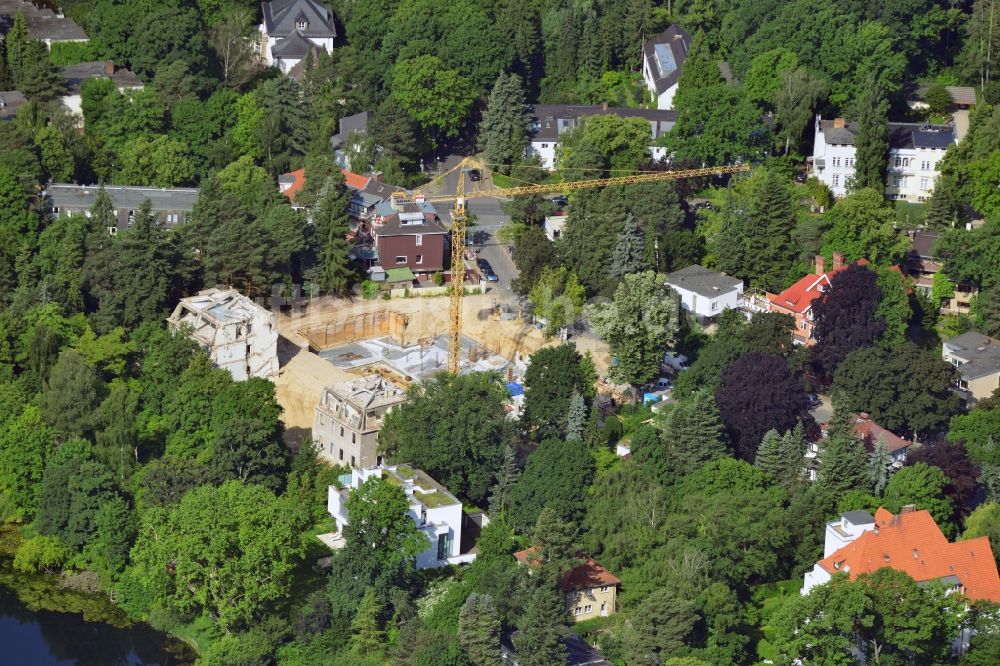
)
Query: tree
[
  {"x": 558, "y": 298},
  {"x": 71, "y": 396},
  {"x": 25, "y": 445},
  {"x": 576, "y": 418},
  {"x": 794, "y": 101},
  {"x": 662, "y": 624},
  {"x": 479, "y": 630},
  {"x": 781, "y": 456},
  {"x": 845, "y": 317},
  {"x": 922, "y": 485},
  {"x": 880, "y": 466},
  {"x": 533, "y": 253},
  {"x": 980, "y": 51},
  {"x": 863, "y": 227},
  {"x": 944, "y": 210},
  {"x": 986, "y": 310},
  {"x": 554, "y": 374},
  {"x": 764, "y": 77},
  {"x": 231, "y": 37},
  {"x": 436, "y": 97},
  {"x": 157, "y": 160},
  {"x": 771, "y": 220},
  {"x": 556, "y": 476},
  {"x": 894, "y": 307},
  {"x": 500, "y": 494},
  {"x": 937, "y": 98},
  {"x": 454, "y": 428},
  {"x": 229, "y": 551},
  {"x": 332, "y": 226},
  {"x": 16, "y": 44},
  {"x": 906, "y": 390},
  {"x": 691, "y": 435},
  {"x": 700, "y": 72},
  {"x": 872, "y": 142},
  {"x": 962, "y": 473},
  {"x": 630, "y": 255},
  {"x": 603, "y": 143},
  {"x": 639, "y": 324},
  {"x": 843, "y": 462},
  {"x": 759, "y": 393},
  {"x": 984, "y": 521},
  {"x": 504, "y": 128},
  {"x": 539, "y": 639},
  {"x": 717, "y": 126}
]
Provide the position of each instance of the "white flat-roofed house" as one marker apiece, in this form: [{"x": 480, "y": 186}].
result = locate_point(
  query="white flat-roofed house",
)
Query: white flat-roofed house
[
  {"x": 662, "y": 59},
  {"x": 239, "y": 335},
  {"x": 435, "y": 511},
  {"x": 915, "y": 149},
  {"x": 549, "y": 121},
  {"x": 291, "y": 29},
  {"x": 705, "y": 293},
  {"x": 555, "y": 225}
]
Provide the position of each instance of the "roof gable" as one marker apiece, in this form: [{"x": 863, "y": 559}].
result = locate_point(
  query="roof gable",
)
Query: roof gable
[
  {"x": 283, "y": 17},
  {"x": 665, "y": 54}
]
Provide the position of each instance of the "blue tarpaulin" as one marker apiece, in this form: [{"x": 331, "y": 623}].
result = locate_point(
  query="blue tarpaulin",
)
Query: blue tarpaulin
[{"x": 515, "y": 389}]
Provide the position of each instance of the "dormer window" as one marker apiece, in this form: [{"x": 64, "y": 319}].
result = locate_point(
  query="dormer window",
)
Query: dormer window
[{"x": 301, "y": 24}]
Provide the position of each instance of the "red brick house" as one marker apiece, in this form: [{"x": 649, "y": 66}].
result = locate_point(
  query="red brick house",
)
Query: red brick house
[
  {"x": 410, "y": 236},
  {"x": 797, "y": 300}
]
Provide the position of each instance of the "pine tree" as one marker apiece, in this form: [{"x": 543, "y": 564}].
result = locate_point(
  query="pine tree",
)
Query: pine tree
[
  {"x": 771, "y": 251},
  {"x": 943, "y": 210},
  {"x": 630, "y": 253},
  {"x": 576, "y": 420},
  {"x": 367, "y": 636},
  {"x": 555, "y": 548},
  {"x": 332, "y": 225},
  {"x": 881, "y": 466},
  {"x": 872, "y": 142},
  {"x": 769, "y": 454},
  {"x": 479, "y": 630},
  {"x": 693, "y": 434},
  {"x": 843, "y": 463},
  {"x": 506, "y": 478},
  {"x": 539, "y": 640},
  {"x": 16, "y": 44},
  {"x": 504, "y": 128},
  {"x": 701, "y": 70},
  {"x": 38, "y": 78}
]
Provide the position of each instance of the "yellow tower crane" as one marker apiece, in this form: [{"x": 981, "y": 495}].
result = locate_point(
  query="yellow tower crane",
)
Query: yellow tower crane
[{"x": 458, "y": 221}]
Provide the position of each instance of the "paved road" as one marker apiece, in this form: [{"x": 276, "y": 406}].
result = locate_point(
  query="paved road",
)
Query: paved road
[{"x": 824, "y": 412}]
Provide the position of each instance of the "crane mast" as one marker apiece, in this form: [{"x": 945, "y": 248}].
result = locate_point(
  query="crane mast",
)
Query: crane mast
[{"x": 459, "y": 220}]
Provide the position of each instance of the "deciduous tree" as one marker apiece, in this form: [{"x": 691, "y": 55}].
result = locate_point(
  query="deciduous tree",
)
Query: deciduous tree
[{"x": 845, "y": 317}]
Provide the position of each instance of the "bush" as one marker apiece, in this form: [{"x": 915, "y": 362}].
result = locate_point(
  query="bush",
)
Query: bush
[
  {"x": 369, "y": 290},
  {"x": 937, "y": 98},
  {"x": 41, "y": 553},
  {"x": 72, "y": 53},
  {"x": 439, "y": 279}
]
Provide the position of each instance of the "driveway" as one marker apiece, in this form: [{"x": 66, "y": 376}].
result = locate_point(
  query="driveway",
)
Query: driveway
[{"x": 824, "y": 412}]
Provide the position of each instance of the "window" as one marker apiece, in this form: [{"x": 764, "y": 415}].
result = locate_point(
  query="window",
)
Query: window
[
  {"x": 715, "y": 306},
  {"x": 604, "y": 590},
  {"x": 419, "y": 259},
  {"x": 342, "y": 455},
  {"x": 849, "y": 161},
  {"x": 588, "y": 609},
  {"x": 545, "y": 145},
  {"x": 443, "y": 546},
  {"x": 354, "y": 438},
  {"x": 112, "y": 231},
  {"x": 420, "y": 239},
  {"x": 836, "y": 180},
  {"x": 352, "y": 462},
  {"x": 400, "y": 260},
  {"x": 423, "y": 516},
  {"x": 923, "y": 184},
  {"x": 341, "y": 431},
  {"x": 899, "y": 162},
  {"x": 301, "y": 25},
  {"x": 896, "y": 180}
]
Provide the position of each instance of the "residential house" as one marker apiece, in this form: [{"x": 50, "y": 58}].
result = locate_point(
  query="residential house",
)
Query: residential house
[
  {"x": 910, "y": 542},
  {"x": 555, "y": 225},
  {"x": 797, "y": 300},
  {"x": 589, "y": 589},
  {"x": 977, "y": 358},
  {"x": 871, "y": 433},
  {"x": 239, "y": 335},
  {"x": 549, "y": 121},
  {"x": 45, "y": 22},
  {"x": 366, "y": 191},
  {"x": 170, "y": 205},
  {"x": 435, "y": 511},
  {"x": 358, "y": 123},
  {"x": 962, "y": 97},
  {"x": 922, "y": 265},
  {"x": 291, "y": 29},
  {"x": 73, "y": 77},
  {"x": 662, "y": 59},
  {"x": 349, "y": 417},
  {"x": 290, "y": 184},
  {"x": 915, "y": 150},
  {"x": 10, "y": 102},
  {"x": 704, "y": 293},
  {"x": 409, "y": 235}
]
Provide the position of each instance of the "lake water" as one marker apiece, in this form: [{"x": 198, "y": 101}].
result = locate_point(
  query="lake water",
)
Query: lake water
[{"x": 45, "y": 638}]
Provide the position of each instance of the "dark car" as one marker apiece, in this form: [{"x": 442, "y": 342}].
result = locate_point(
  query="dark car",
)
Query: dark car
[
  {"x": 800, "y": 177},
  {"x": 560, "y": 200},
  {"x": 487, "y": 270},
  {"x": 814, "y": 400},
  {"x": 475, "y": 176}
]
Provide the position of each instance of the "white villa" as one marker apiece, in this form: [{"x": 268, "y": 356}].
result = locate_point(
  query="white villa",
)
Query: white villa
[
  {"x": 704, "y": 293},
  {"x": 914, "y": 152},
  {"x": 239, "y": 335},
  {"x": 662, "y": 59},
  {"x": 291, "y": 29},
  {"x": 436, "y": 512}
]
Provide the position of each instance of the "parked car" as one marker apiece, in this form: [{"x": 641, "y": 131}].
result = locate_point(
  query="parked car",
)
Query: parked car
[
  {"x": 814, "y": 400},
  {"x": 560, "y": 200},
  {"x": 474, "y": 175},
  {"x": 487, "y": 270},
  {"x": 800, "y": 176}
]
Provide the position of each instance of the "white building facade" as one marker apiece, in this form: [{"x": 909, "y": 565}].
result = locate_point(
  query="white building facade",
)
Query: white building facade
[
  {"x": 291, "y": 29},
  {"x": 662, "y": 59},
  {"x": 435, "y": 511},
  {"x": 915, "y": 150},
  {"x": 704, "y": 293},
  {"x": 838, "y": 534},
  {"x": 239, "y": 335}
]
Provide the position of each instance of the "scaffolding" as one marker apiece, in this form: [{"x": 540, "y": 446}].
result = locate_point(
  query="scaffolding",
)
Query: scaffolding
[{"x": 338, "y": 332}]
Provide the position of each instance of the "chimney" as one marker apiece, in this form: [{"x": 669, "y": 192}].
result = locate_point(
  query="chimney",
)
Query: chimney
[
  {"x": 820, "y": 264},
  {"x": 604, "y": 106},
  {"x": 838, "y": 123},
  {"x": 109, "y": 67},
  {"x": 838, "y": 260},
  {"x": 909, "y": 508}
]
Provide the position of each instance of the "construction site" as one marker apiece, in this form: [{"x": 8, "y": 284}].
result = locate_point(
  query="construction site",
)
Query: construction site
[{"x": 403, "y": 340}]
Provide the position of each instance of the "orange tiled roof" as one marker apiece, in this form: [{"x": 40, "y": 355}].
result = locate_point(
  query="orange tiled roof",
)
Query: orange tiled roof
[
  {"x": 800, "y": 295},
  {"x": 582, "y": 577},
  {"x": 299, "y": 180},
  {"x": 913, "y": 543},
  {"x": 353, "y": 180}
]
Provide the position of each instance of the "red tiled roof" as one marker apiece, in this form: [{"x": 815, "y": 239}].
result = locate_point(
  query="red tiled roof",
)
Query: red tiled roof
[
  {"x": 913, "y": 543},
  {"x": 298, "y": 181},
  {"x": 800, "y": 295},
  {"x": 582, "y": 577},
  {"x": 353, "y": 180},
  {"x": 870, "y": 432}
]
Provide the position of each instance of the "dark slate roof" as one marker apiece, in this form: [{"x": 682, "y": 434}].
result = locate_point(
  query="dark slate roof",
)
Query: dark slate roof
[
  {"x": 356, "y": 123},
  {"x": 702, "y": 281},
  {"x": 982, "y": 353},
  {"x": 65, "y": 195},
  {"x": 665, "y": 54},
  {"x": 43, "y": 23},
  {"x": 10, "y": 102},
  {"x": 901, "y": 135},
  {"x": 75, "y": 75},
  {"x": 548, "y": 121},
  {"x": 281, "y": 16},
  {"x": 298, "y": 71},
  {"x": 858, "y": 517},
  {"x": 293, "y": 46},
  {"x": 393, "y": 225},
  {"x": 922, "y": 243}
]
